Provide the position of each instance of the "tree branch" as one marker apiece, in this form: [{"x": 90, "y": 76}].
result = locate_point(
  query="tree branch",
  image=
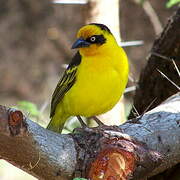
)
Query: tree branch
[
  {"x": 48, "y": 155},
  {"x": 160, "y": 130},
  {"x": 38, "y": 151}
]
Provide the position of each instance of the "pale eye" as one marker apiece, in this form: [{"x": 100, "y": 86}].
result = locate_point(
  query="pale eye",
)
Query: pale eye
[{"x": 93, "y": 39}]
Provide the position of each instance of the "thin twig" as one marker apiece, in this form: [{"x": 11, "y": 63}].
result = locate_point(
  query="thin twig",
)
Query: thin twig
[
  {"x": 130, "y": 89},
  {"x": 149, "y": 106},
  {"x": 161, "y": 56},
  {"x": 131, "y": 43},
  {"x": 132, "y": 79},
  {"x": 70, "y": 1},
  {"x": 136, "y": 110},
  {"x": 152, "y": 16},
  {"x": 168, "y": 79},
  {"x": 167, "y": 58},
  {"x": 43, "y": 107},
  {"x": 136, "y": 120},
  {"x": 176, "y": 68}
]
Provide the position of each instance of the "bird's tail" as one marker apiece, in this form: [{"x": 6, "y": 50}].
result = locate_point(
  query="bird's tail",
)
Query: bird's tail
[{"x": 57, "y": 122}]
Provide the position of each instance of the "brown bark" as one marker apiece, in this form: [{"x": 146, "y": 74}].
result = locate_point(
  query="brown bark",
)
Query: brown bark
[{"x": 152, "y": 85}]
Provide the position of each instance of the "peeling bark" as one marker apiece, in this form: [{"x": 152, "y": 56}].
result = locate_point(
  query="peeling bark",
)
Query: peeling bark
[
  {"x": 160, "y": 130},
  {"x": 133, "y": 150}
]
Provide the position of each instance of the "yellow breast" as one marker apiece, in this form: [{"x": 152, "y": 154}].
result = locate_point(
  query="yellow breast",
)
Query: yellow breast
[{"x": 99, "y": 84}]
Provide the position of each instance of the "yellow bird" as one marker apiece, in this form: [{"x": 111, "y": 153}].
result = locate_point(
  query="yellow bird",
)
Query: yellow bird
[{"x": 94, "y": 80}]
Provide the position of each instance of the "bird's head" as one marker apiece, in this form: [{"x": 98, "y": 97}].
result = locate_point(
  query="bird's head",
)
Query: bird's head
[{"x": 94, "y": 39}]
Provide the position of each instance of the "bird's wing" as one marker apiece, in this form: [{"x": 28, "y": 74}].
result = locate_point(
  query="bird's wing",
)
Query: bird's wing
[{"x": 65, "y": 83}]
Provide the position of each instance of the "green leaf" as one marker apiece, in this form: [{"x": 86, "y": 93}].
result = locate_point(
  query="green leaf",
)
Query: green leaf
[
  {"x": 79, "y": 179},
  {"x": 29, "y": 107},
  {"x": 171, "y": 3}
]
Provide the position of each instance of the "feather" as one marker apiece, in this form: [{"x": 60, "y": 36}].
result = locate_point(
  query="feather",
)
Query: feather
[{"x": 65, "y": 83}]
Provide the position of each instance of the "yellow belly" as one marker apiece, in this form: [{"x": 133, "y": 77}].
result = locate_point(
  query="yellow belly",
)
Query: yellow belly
[{"x": 97, "y": 89}]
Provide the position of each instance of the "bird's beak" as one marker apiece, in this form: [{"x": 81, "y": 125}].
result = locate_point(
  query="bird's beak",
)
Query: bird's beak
[{"x": 80, "y": 43}]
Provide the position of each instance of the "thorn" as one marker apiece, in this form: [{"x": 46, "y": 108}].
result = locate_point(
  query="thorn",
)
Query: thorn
[
  {"x": 136, "y": 110},
  {"x": 161, "y": 56},
  {"x": 169, "y": 79},
  {"x": 149, "y": 106},
  {"x": 176, "y": 68}
]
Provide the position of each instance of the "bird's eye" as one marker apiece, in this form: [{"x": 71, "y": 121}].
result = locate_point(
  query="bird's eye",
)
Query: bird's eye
[{"x": 93, "y": 39}]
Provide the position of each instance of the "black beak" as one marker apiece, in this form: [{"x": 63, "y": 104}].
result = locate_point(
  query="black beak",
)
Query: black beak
[{"x": 80, "y": 43}]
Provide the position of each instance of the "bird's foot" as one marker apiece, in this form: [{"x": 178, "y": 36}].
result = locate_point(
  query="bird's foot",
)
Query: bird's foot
[
  {"x": 98, "y": 121},
  {"x": 83, "y": 127},
  {"x": 83, "y": 124},
  {"x": 101, "y": 126}
]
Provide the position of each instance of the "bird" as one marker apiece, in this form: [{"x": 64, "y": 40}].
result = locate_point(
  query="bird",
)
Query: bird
[{"x": 94, "y": 80}]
